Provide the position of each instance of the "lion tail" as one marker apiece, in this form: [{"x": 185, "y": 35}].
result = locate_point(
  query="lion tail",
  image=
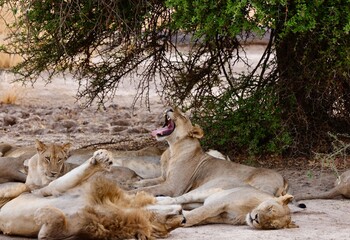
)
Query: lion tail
[{"x": 325, "y": 195}]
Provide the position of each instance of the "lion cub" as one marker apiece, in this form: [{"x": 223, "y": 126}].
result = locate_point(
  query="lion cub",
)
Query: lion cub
[{"x": 47, "y": 164}]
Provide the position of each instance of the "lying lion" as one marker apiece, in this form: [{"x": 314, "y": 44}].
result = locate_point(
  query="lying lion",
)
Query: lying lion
[
  {"x": 236, "y": 206},
  {"x": 341, "y": 189},
  {"x": 81, "y": 205},
  {"x": 11, "y": 165},
  {"x": 12, "y": 169},
  {"x": 47, "y": 164},
  {"x": 185, "y": 166}
]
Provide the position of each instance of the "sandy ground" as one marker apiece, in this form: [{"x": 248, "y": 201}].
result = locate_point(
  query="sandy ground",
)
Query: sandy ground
[{"x": 51, "y": 113}]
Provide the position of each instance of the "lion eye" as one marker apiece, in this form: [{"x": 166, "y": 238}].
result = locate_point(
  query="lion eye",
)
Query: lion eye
[{"x": 47, "y": 159}]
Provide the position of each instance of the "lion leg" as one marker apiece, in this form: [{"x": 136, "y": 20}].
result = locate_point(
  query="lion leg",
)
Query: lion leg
[
  {"x": 53, "y": 223},
  {"x": 201, "y": 214},
  {"x": 11, "y": 190},
  {"x": 100, "y": 161},
  {"x": 268, "y": 181},
  {"x": 148, "y": 182},
  {"x": 195, "y": 196}
]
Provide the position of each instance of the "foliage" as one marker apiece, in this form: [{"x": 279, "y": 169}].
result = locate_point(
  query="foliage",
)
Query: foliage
[
  {"x": 337, "y": 158},
  {"x": 252, "y": 125},
  {"x": 287, "y": 102},
  {"x": 312, "y": 49}
]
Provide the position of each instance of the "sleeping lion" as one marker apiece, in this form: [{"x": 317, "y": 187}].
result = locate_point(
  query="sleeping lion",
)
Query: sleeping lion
[{"x": 236, "y": 206}]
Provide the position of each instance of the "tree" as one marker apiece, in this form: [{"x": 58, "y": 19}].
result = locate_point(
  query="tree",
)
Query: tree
[{"x": 287, "y": 103}]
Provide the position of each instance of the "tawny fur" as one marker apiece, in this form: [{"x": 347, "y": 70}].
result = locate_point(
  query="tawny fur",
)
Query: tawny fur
[
  {"x": 83, "y": 204},
  {"x": 185, "y": 166},
  {"x": 202, "y": 183},
  {"x": 47, "y": 164}
]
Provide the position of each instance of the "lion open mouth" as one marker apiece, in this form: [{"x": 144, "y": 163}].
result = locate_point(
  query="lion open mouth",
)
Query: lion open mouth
[{"x": 167, "y": 129}]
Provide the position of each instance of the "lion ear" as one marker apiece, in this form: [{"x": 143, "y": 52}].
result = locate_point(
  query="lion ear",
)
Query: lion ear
[
  {"x": 177, "y": 110},
  {"x": 196, "y": 132},
  {"x": 66, "y": 146},
  {"x": 286, "y": 199},
  {"x": 40, "y": 146}
]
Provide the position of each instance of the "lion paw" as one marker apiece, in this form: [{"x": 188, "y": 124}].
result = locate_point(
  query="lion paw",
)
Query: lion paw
[
  {"x": 47, "y": 214},
  {"x": 40, "y": 193},
  {"x": 103, "y": 158},
  {"x": 45, "y": 192},
  {"x": 141, "y": 236}
]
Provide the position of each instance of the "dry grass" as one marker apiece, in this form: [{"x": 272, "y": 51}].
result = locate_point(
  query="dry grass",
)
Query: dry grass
[{"x": 10, "y": 96}]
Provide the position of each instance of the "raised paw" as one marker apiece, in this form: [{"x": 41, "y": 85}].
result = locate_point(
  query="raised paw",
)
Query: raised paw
[
  {"x": 45, "y": 192},
  {"x": 103, "y": 158},
  {"x": 40, "y": 192}
]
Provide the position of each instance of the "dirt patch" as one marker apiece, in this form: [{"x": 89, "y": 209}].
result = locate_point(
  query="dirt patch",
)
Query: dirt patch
[{"x": 51, "y": 113}]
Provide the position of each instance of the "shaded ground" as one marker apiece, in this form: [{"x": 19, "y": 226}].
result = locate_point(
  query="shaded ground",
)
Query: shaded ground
[{"x": 50, "y": 113}]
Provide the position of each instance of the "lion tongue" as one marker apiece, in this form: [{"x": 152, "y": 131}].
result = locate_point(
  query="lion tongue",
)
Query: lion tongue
[
  {"x": 164, "y": 130},
  {"x": 159, "y": 131}
]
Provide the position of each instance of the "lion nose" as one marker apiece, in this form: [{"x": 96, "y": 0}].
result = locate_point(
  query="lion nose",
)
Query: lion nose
[{"x": 53, "y": 173}]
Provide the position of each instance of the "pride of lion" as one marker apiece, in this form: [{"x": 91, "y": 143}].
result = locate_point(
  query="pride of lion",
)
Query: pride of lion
[{"x": 51, "y": 192}]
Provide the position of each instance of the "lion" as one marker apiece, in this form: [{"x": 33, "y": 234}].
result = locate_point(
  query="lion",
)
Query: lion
[
  {"x": 12, "y": 169},
  {"x": 47, "y": 164},
  {"x": 185, "y": 166},
  {"x": 236, "y": 206},
  {"x": 11, "y": 162},
  {"x": 47, "y": 161},
  {"x": 341, "y": 189},
  {"x": 100, "y": 209}
]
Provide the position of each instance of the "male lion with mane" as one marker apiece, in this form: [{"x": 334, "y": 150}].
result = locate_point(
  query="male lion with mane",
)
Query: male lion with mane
[{"x": 82, "y": 204}]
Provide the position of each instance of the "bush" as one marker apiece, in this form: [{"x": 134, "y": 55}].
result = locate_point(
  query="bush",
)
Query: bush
[{"x": 235, "y": 125}]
